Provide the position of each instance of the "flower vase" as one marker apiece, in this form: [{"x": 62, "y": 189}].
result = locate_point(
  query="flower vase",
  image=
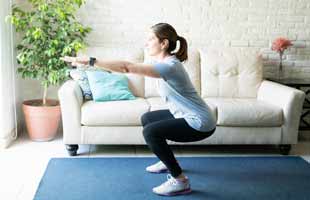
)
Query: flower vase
[{"x": 280, "y": 70}]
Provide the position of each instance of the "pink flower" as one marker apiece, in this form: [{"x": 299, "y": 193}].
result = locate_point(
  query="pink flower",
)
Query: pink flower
[{"x": 280, "y": 44}]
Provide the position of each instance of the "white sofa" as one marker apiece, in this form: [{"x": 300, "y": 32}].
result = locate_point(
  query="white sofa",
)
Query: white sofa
[{"x": 248, "y": 109}]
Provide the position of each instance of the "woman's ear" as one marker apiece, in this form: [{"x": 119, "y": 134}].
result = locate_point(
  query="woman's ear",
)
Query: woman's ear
[{"x": 164, "y": 44}]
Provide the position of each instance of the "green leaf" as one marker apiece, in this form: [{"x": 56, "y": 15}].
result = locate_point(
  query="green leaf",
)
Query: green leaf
[
  {"x": 48, "y": 31},
  {"x": 37, "y": 33},
  {"x": 43, "y": 7}
]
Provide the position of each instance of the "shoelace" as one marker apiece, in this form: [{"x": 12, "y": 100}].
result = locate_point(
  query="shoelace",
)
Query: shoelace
[
  {"x": 170, "y": 180},
  {"x": 160, "y": 163}
]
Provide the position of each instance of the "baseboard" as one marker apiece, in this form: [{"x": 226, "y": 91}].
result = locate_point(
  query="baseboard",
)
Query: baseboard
[
  {"x": 11, "y": 137},
  {"x": 7, "y": 141}
]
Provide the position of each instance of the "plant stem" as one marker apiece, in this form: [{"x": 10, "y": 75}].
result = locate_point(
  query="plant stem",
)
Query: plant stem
[
  {"x": 44, "y": 95},
  {"x": 281, "y": 56}
]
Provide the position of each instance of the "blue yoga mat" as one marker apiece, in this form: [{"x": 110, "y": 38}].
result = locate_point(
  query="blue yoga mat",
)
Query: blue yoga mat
[{"x": 275, "y": 177}]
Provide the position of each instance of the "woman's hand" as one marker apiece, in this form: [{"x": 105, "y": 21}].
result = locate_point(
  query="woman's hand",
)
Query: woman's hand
[{"x": 76, "y": 61}]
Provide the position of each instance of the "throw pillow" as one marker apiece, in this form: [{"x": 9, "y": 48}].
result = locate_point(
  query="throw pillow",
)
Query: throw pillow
[
  {"x": 109, "y": 86},
  {"x": 79, "y": 74}
]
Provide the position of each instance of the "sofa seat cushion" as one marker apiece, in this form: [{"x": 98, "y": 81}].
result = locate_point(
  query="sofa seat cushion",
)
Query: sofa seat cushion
[
  {"x": 246, "y": 112},
  {"x": 114, "y": 113},
  {"x": 157, "y": 103}
]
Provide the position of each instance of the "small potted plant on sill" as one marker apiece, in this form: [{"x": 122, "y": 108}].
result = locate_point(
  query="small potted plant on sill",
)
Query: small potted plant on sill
[{"x": 47, "y": 32}]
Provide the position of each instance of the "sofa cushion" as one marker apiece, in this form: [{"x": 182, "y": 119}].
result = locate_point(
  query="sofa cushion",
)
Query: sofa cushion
[
  {"x": 192, "y": 67},
  {"x": 157, "y": 103},
  {"x": 136, "y": 82},
  {"x": 151, "y": 85},
  {"x": 230, "y": 72},
  {"x": 107, "y": 86},
  {"x": 246, "y": 112},
  {"x": 79, "y": 75},
  {"x": 113, "y": 113}
]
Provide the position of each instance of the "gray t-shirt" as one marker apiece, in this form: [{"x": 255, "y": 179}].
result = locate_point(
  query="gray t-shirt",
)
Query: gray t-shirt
[{"x": 178, "y": 92}]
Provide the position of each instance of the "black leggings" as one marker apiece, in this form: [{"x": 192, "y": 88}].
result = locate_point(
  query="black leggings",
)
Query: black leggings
[{"x": 161, "y": 125}]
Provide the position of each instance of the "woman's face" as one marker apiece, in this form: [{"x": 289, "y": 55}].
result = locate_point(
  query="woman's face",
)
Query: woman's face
[{"x": 153, "y": 45}]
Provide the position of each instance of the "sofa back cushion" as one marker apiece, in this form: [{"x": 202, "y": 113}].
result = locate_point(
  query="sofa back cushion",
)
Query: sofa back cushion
[
  {"x": 136, "y": 82},
  {"x": 230, "y": 72},
  {"x": 192, "y": 66}
]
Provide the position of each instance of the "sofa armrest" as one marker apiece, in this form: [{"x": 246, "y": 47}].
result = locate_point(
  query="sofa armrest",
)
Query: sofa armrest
[
  {"x": 71, "y": 100},
  {"x": 290, "y": 100}
]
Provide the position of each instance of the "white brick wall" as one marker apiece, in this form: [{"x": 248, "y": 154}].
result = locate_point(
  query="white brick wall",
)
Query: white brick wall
[{"x": 237, "y": 23}]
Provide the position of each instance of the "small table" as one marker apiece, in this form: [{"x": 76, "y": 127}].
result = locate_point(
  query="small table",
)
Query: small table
[{"x": 304, "y": 85}]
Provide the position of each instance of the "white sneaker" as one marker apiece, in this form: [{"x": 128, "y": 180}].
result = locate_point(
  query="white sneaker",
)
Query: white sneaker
[
  {"x": 158, "y": 167},
  {"x": 173, "y": 187}
]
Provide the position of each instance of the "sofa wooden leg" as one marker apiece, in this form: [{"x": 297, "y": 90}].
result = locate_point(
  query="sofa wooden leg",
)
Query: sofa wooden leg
[
  {"x": 285, "y": 149},
  {"x": 72, "y": 149}
]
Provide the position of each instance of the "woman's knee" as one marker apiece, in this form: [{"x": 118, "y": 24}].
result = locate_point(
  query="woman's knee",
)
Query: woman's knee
[
  {"x": 150, "y": 132},
  {"x": 147, "y": 133},
  {"x": 144, "y": 119},
  {"x": 210, "y": 133}
]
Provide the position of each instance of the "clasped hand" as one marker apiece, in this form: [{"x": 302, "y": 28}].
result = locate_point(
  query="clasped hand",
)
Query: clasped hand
[{"x": 76, "y": 61}]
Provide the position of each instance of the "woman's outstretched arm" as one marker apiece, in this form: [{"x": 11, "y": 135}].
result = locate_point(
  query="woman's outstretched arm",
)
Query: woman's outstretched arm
[{"x": 117, "y": 66}]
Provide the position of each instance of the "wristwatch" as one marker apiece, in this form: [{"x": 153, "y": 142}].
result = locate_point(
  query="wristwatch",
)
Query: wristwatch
[{"x": 92, "y": 61}]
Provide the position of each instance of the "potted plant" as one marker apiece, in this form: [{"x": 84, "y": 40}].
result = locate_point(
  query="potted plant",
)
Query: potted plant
[{"x": 48, "y": 30}]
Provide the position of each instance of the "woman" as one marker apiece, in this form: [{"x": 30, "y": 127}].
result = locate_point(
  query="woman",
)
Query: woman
[{"x": 188, "y": 119}]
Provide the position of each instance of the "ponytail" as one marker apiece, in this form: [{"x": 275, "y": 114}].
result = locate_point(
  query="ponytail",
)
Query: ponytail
[{"x": 182, "y": 52}]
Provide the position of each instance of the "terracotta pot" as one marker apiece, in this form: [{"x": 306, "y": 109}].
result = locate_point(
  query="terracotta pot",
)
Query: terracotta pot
[{"x": 42, "y": 121}]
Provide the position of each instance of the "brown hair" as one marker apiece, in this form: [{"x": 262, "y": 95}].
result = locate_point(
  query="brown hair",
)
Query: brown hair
[{"x": 166, "y": 31}]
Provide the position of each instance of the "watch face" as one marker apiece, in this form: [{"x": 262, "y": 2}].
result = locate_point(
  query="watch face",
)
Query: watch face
[{"x": 92, "y": 61}]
